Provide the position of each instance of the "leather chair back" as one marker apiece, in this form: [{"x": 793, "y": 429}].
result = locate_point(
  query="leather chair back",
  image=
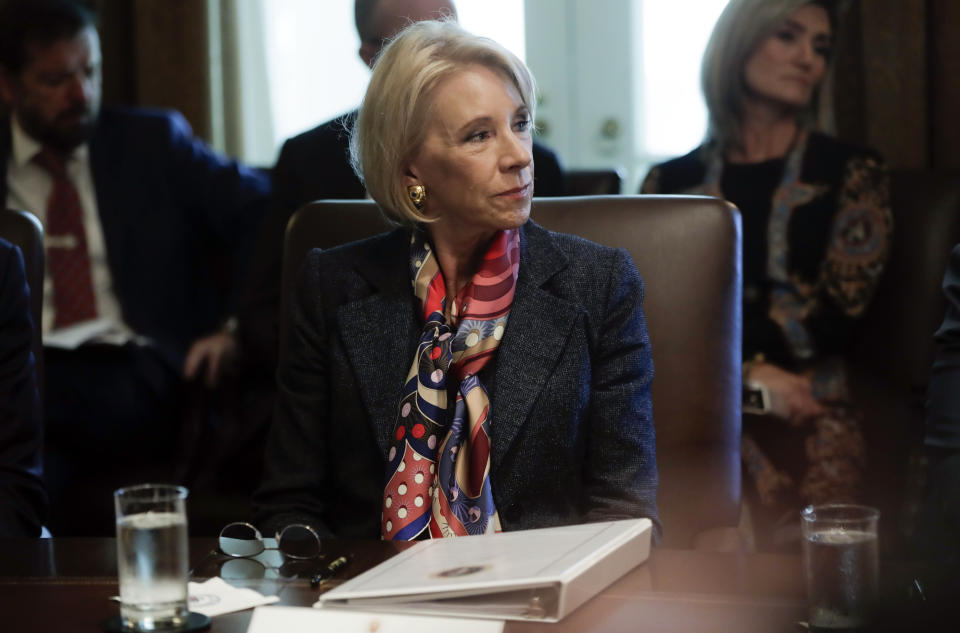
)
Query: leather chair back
[
  {"x": 24, "y": 230},
  {"x": 687, "y": 250}
]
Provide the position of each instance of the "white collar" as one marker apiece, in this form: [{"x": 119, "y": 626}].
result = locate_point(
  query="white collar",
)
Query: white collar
[{"x": 25, "y": 147}]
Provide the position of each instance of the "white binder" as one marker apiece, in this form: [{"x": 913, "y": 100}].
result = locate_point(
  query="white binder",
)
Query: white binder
[{"x": 529, "y": 575}]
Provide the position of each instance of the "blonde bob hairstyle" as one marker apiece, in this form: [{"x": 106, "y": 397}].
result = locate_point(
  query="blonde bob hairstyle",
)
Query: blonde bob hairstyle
[
  {"x": 392, "y": 122},
  {"x": 739, "y": 31}
]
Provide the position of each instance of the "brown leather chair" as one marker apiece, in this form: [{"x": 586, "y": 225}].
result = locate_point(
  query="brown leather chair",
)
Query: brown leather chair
[
  {"x": 687, "y": 250},
  {"x": 24, "y": 230},
  {"x": 593, "y": 182}
]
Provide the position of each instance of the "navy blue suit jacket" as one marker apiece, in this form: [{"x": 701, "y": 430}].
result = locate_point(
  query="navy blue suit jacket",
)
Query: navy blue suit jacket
[
  {"x": 23, "y": 502},
  {"x": 572, "y": 423},
  {"x": 172, "y": 211}
]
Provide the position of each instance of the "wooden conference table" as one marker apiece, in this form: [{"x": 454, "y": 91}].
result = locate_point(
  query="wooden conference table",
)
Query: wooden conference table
[{"x": 63, "y": 584}]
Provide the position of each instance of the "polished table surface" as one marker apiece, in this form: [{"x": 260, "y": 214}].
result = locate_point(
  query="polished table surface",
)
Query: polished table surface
[{"x": 64, "y": 584}]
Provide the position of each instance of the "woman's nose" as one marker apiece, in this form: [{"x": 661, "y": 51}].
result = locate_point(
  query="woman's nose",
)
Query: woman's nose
[
  {"x": 517, "y": 152},
  {"x": 806, "y": 54}
]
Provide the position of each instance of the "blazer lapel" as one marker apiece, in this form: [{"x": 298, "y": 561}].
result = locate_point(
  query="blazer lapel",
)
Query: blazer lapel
[
  {"x": 380, "y": 335},
  {"x": 536, "y": 335},
  {"x": 383, "y": 337}
]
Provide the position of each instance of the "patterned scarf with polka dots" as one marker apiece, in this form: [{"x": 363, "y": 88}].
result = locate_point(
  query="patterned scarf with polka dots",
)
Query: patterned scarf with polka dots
[{"x": 438, "y": 470}]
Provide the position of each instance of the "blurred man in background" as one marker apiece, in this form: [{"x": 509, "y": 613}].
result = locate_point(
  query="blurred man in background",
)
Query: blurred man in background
[{"x": 135, "y": 210}]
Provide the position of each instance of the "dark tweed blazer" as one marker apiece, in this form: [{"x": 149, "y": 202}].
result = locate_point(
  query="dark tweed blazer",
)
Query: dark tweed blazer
[{"x": 572, "y": 422}]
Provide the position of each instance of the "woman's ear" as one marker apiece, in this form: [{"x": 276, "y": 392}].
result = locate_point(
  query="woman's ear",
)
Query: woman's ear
[{"x": 411, "y": 177}]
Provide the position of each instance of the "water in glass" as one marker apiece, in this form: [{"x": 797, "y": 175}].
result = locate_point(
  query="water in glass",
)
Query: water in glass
[
  {"x": 841, "y": 571},
  {"x": 152, "y": 563}
]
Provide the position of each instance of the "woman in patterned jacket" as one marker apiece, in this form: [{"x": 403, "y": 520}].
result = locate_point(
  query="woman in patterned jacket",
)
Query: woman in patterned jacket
[{"x": 816, "y": 233}]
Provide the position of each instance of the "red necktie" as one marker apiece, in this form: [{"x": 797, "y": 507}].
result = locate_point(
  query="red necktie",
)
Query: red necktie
[{"x": 67, "y": 258}]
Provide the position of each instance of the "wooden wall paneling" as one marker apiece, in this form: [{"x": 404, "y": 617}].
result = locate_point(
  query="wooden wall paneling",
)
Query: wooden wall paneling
[
  {"x": 117, "y": 47},
  {"x": 847, "y": 84},
  {"x": 894, "y": 43},
  {"x": 944, "y": 92},
  {"x": 172, "y": 58}
]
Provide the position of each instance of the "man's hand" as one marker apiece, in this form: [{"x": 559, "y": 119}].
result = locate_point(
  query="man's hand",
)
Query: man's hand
[
  {"x": 791, "y": 397},
  {"x": 215, "y": 352}
]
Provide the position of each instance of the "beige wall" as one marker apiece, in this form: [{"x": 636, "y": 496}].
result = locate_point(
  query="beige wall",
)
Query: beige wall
[{"x": 897, "y": 81}]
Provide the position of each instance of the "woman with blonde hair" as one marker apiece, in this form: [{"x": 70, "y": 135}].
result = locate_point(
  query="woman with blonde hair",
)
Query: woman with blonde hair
[
  {"x": 816, "y": 234},
  {"x": 468, "y": 372}
]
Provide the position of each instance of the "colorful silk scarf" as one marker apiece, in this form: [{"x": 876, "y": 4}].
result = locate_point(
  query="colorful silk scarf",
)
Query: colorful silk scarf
[{"x": 438, "y": 468}]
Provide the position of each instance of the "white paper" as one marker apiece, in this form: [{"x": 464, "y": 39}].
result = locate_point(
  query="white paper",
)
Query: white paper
[
  {"x": 296, "y": 619},
  {"x": 216, "y": 597}
]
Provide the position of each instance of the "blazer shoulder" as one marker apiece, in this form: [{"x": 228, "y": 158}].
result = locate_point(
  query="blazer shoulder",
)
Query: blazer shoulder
[
  {"x": 137, "y": 129},
  {"x": 549, "y": 176},
  {"x": 828, "y": 158},
  {"x": 362, "y": 249},
  {"x": 573, "y": 265},
  {"x": 579, "y": 249},
  {"x": 676, "y": 174},
  {"x": 335, "y": 132},
  {"x": 570, "y": 246},
  {"x": 374, "y": 259},
  {"x": 149, "y": 118}
]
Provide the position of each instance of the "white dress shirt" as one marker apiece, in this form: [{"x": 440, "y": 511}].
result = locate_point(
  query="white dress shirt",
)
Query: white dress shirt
[{"x": 28, "y": 187}]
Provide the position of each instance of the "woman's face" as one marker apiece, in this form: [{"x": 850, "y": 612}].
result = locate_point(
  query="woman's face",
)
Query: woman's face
[
  {"x": 787, "y": 66},
  {"x": 476, "y": 162}
]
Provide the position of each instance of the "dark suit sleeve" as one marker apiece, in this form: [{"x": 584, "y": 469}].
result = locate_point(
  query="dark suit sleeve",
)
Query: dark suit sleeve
[
  {"x": 621, "y": 467},
  {"x": 651, "y": 182},
  {"x": 23, "y": 502},
  {"x": 260, "y": 300},
  {"x": 311, "y": 166},
  {"x": 548, "y": 175},
  {"x": 293, "y": 483},
  {"x": 940, "y": 523},
  {"x": 943, "y": 394},
  {"x": 228, "y": 199}
]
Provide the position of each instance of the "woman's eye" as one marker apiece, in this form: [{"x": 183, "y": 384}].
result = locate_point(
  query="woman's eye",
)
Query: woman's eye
[
  {"x": 522, "y": 125},
  {"x": 785, "y": 35},
  {"x": 823, "y": 51},
  {"x": 477, "y": 137}
]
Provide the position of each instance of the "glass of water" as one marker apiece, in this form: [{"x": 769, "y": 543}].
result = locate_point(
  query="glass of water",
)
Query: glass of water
[
  {"x": 152, "y": 557},
  {"x": 840, "y": 564}
]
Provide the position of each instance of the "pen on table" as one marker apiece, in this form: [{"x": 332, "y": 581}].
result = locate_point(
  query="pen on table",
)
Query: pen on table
[{"x": 335, "y": 565}]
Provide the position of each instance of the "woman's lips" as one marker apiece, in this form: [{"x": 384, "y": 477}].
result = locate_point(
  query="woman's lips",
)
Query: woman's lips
[{"x": 519, "y": 192}]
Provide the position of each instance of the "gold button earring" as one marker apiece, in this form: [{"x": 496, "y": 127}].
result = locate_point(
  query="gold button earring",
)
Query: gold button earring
[{"x": 418, "y": 195}]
